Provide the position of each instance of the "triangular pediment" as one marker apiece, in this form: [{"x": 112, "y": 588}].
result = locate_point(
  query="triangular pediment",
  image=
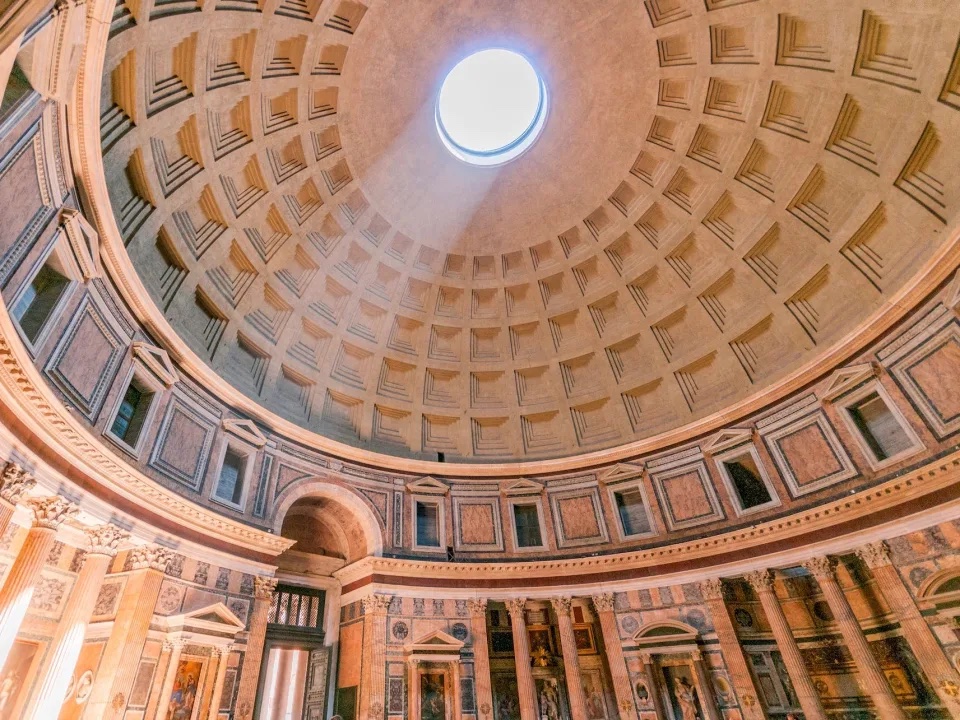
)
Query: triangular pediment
[
  {"x": 210, "y": 617},
  {"x": 522, "y": 487},
  {"x": 428, "y": 486},
  {"x": 156, "y": 361},
  {"x": 620, "y": 471},
  {"x": 245, "y": 430},
  {"x": 436, "y": 643},
  {"x": 846, "y": 379},
  {"x": 727, "y": 439},
  {"x": 84, "y": 242}
]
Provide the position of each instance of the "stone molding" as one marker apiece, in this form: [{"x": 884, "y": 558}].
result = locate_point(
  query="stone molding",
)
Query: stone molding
[
  {"x": 105, "y": 539},
  {"x": 14, "y": 482},
  {"x": 50, "y": 512},
  {"x": 376, "y": 604},
  {"x": 152, "y": 557},
  {"x": 604, "y": 602},
  {"x": 263, "y": 587}
]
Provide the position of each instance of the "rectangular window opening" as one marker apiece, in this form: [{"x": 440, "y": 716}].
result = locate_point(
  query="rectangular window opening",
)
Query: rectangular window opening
[
  {"x": 230, "y": 482},
  {"x": 526, "y": 520},
  {"x": 132, "y": 413},
  {"x": 633, "y": 513},
  {"x": 428, "y": 525},
  {"x": 879, "y": 427},
  {"x": 747, "y": 482},
  {"x": 35, "y": 306}
]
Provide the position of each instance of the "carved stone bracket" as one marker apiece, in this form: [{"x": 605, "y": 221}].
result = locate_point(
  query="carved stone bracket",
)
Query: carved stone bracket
[
  {"x": 50, "y": 512},
  {"x": 263, "y": 587},
  {"x": 105, "y": 539},
  {"x": 14, "y": 482},
  {"x": 153, "y": 557}
]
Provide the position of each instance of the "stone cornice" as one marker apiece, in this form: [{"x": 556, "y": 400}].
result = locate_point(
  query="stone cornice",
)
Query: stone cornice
[
  {"x": 34, "y": 404},
  {"x": 88, "y": 168},
  {"x": 763, "y": 539}
]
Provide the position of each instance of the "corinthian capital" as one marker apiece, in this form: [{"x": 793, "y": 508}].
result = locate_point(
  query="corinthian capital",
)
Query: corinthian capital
[
  {"x": 875, "y": 554},
  {"x": 820, "y": 567},
  {"x": 562, "y": 605},
  {"x": 263, "y": 587},
  {"x": 712, "y": 589},
  {"x": 376, "y": 604},
  {"x": 14, "y": 482},
  {"x": 105, "y": 539},
  {"x": 604, "y": 602},
  {"x": 515, "y": 607},
  {"x": 477, "y": 606},
  {"x": 761, "y": 580},
  {"x": 151, "y": 557},
  {"x": 50, "y": 512}
]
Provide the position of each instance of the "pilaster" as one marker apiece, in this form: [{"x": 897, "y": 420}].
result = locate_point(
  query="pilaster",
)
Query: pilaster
[
  {"x": 263, "y": 587},
  {"x": 481, "y": 657},
  {"x": 604, "y": 605},
  {"x": 571, "y": 663}
]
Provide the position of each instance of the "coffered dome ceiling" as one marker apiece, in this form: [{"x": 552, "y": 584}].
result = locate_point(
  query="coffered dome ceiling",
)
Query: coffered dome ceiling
[{"x": 723, "y": 190}]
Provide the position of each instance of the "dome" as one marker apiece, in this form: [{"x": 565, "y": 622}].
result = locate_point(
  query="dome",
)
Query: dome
[{"x": 715, "y": 206}]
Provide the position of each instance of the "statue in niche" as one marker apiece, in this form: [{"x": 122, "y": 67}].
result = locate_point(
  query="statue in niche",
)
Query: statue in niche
[
  {"x": 686, "y": 698},
  {"x": 549, "y": 703}
]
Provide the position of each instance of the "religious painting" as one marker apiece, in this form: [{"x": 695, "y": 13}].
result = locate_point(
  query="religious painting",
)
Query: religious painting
[
  {"x": 594, "y": 693},
  {"x": 186, "y": 683},
  {"x": 584, "y": 639},
  {"x": 681, "y": 691},
  {"x": 432, "y": 696},
  {"x": 506, "y": 698},
  {"x": 15, "y": 678}
]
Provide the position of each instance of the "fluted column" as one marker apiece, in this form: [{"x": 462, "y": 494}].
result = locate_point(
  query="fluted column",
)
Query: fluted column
[
  {"x": 656, "y": 690},
  {"x": 521, "y": 653},
  {"x": 762, "y": 582},
  {"x": 175, "y": 648},
  {"x": 61, "y": 658},
  {"x": 14, "y": 482},
  {"x": 163, "y": 662},
  {"x": 373, "y": 666},
  {"x": 263, "y": 587},
  {"x": 22, "y": 578},
  {"x": 223, "y": 657},
  {"x": 571, "y": 662},
  {"x": 604, "y": 606},
  {"x": 927, "y": 649},
  {"x": 875, "y": 682},
  {"x": 704, "y": 687},
  {"x": 118, "y": 669},
  {"x": 712, "y": 591},
  {"x": 481, "y": 656}
]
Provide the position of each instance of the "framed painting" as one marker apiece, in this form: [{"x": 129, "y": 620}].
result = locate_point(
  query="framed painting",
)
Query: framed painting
[
  {"x": 184, "y": 697},
  {"x": 16, "y": 677}
]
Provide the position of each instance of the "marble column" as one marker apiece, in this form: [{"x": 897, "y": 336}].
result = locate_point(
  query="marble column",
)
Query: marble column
[
  {"x": 743, "y": 685},
  {"x": 481, "y": 657},
  {"x": 14, "y": 481},
  {"x": 21, "y": 581},
  {"x": 263, "y": 587},
  {"x": 651, "y": 670},
  {"x": 874, "y": 681},
  {"x": 222, "y": 655},
  {"x": 927, "y": 649},
  {"x": 163, "y": 663},
  {"x": 604, "y": 606},
  {"x": 563, "y": 606},
  {"x": 175, "y": 649},
  {"x": 61, "y": 657},
  {"x": 373, "y": 668},
  {"x": 119, "y": 662},
  {"x": 708, "y": 700},
  {"x": 526, "y": 688},
  {"x": 762, "y": 582}
]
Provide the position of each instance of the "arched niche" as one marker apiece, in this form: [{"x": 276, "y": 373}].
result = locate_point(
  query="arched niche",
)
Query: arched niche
[{"x": 329, "y": 521}]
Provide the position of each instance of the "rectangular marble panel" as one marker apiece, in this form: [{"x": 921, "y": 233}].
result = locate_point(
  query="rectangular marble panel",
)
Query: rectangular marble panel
[
  {"x": 809, "y": 455},
  {"x": 86, "y": 359},
  {"x": 183, "y": 445},
  {"x": 578, "y": 517},
  {"x": 687, "y": 496},
  {"x": 477, "y": 523}
]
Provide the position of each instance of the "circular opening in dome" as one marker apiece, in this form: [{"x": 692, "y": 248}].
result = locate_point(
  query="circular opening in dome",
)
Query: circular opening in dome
[{"x": 491, "y": 107}]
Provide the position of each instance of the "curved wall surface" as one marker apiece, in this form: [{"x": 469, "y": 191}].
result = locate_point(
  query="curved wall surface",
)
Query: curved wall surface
[{"x": 789, "y": 547}]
